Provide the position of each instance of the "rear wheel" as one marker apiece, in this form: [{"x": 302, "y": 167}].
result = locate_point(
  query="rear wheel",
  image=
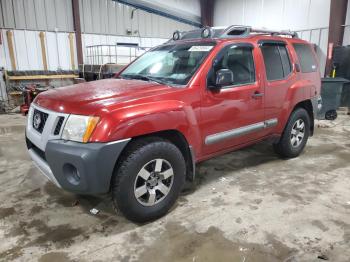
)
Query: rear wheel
[
  {"x": 295, "y": 134},
  {"x": 149, "y": 179}
]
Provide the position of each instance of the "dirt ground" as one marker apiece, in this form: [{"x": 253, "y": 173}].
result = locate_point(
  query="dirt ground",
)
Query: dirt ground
[{"x": 247, "y": 205}]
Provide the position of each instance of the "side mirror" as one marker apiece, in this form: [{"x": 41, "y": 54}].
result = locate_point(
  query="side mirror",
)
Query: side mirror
[{"x": 224, "y": 77}]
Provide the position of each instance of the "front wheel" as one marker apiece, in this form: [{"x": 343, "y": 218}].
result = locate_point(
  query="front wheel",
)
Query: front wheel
[
  {"x": 149, "y": 179},
  {"x": 295, "y": 134}
]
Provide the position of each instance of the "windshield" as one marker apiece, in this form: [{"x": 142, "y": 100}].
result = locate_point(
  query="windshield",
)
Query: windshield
[{"x": 172, "y": 64}]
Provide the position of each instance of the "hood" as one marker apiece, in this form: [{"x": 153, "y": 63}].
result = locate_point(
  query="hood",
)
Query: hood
[{"x": 91, "y": 97}]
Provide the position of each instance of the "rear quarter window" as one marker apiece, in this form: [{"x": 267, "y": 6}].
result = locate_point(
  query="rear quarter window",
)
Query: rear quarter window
[{"x": 306, "y": 58}]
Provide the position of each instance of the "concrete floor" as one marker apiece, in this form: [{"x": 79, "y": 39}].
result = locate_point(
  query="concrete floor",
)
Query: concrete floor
[{"x": 247, "y": 206}]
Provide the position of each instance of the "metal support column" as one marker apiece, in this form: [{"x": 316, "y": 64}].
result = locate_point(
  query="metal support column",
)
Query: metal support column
[
  {"x": 207, "y": 12},
  {"x": 77, "y": 29},
  {"x": 336, "y": 29}
]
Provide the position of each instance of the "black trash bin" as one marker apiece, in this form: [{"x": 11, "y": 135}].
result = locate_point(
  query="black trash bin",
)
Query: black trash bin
[
  {"x": 345, "y": 96},
  {"x": 331, "y": 92}
]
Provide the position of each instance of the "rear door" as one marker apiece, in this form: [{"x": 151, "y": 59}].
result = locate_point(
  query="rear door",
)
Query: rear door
[
  {"x": 279, "y": 77},
  {"x": 233, "y": 114}
]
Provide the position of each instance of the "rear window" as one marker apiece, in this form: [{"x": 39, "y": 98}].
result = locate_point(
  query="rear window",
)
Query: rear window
[
  {"x": 306, "y": 58},
  {"x": 277, "y": 63}
]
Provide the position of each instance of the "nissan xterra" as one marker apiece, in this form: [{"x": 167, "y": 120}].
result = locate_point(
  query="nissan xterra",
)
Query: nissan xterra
[{"x": 206, "y": 92}]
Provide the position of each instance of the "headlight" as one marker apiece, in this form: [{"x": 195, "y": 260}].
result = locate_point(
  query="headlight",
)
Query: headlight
[{"x": 79, "y": 128}]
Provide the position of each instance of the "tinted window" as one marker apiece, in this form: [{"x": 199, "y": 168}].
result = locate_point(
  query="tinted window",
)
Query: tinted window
[
  {"x": 276, "y": 59},
  {"x": 306, "y": 58},
  {"x": 287, "y": 67},
  {"x": 239, "y": 60}
]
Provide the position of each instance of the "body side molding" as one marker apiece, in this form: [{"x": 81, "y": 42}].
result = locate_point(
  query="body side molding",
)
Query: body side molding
[{"x": 215, "y": 138}]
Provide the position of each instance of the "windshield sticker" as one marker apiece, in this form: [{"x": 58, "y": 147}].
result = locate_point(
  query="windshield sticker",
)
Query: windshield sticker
[{"x": 200, "y": 48}]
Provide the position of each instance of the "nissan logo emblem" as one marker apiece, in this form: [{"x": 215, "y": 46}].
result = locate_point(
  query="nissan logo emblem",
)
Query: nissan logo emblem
[{"x": 36, "y": 120}]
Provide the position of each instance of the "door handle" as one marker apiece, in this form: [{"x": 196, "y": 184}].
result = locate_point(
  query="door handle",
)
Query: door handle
[{"x": 257, "y": 94}]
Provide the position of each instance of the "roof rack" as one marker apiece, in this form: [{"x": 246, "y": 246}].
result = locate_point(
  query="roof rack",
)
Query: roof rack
[
  {"x": 272, "y": 32},
  {"x": 233, "y": 31}
]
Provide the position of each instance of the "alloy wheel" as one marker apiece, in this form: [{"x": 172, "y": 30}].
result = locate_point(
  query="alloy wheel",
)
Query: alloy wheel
[
  {"x": 297, "y": 133},
  {"x": 153, "y": 182}
]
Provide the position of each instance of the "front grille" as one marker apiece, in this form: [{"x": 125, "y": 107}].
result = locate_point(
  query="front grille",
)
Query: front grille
[
  {"x": 39, "y": 120},
  {"x": 58, "y": 126}
]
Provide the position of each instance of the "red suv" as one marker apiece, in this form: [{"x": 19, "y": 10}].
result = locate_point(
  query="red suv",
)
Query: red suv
[{"x": 203, "y": 93}]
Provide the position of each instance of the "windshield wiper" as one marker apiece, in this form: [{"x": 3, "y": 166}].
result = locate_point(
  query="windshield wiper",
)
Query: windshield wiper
[{"x": 142, "y": 77}]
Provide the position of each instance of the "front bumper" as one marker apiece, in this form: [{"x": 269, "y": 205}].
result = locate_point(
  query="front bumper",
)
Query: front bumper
[{"x": 77, "y": 167}]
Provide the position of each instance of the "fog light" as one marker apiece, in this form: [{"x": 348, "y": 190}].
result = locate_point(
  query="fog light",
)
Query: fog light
[{"x": 72, "y": 174}]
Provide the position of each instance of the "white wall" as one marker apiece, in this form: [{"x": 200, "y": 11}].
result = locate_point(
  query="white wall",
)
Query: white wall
[
  {"x": 102, "y": 22},
  {"x": 309, "y": 17},
  {"x": 27, "y": 48},
  {"x": 113, "y": 18},
  {"x": 96, "y": 16},
  {"x": 273, "y": 14}
]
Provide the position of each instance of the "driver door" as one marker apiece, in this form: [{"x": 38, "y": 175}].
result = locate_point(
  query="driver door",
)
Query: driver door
[{"x": 233, "y": 114}]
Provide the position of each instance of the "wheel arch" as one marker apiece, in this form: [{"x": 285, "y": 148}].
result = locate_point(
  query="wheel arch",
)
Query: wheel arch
[
  {"x": 175, "y": 137},
  {"x": 307, "y": 105},
  {"x": 178, "y": 139}
]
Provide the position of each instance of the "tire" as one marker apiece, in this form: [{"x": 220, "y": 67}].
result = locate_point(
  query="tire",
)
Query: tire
[
  {"x": 287, "y": 147},
  {"x": 141, "y": 199}
]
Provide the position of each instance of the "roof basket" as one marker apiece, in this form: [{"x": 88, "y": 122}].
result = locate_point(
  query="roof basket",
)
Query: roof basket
[
  {"x": 234, "y": 31},
  {"x": 292, "y": 34},
  {"x": 243, "y": 31}
]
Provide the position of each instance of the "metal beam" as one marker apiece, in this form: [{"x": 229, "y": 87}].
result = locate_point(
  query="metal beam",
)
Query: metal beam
[
  {"x": 336, "y": 29},
  {"x": 163, "y": 10},
  {"x": 41, "y": 77},
  {"x": 77, "y": 29},
  {"x": 207, "y": 12}
]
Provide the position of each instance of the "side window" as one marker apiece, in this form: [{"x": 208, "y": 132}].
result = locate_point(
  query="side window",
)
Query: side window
[
  {"x": 306, "y": 58},
  {"x": 277, "y": 62},
  {"x": 239, "y": 59},
  {"x": 286, "y": 64}
]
